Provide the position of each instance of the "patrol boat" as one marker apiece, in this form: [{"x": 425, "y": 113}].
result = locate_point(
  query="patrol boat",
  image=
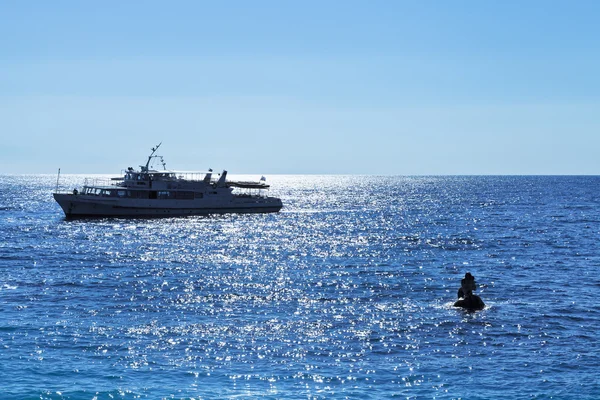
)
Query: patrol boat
[{"x": 166, "y": 193}]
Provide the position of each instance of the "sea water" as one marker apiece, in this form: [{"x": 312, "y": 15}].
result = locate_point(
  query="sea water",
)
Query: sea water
[{"x": 346, "y": 293}]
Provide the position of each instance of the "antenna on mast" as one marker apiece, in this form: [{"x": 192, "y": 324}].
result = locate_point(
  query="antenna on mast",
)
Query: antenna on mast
[{"x": 151, "y": 155}]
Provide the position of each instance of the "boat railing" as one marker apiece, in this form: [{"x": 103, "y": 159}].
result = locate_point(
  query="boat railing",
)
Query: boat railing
[
  {"x": 102, "y": 182},
  {"x": 89, "y": 182},
  {"x": 255, "y": 192}
]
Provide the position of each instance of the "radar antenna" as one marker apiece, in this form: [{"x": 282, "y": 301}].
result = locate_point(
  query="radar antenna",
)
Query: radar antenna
[{"x": 151, "y": 156}]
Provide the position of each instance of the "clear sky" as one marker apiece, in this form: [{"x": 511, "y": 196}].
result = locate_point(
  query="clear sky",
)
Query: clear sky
[{"x": 292, "y": 87}]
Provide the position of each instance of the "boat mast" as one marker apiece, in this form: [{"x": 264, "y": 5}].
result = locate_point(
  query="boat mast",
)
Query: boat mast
[
  {"x": 151, "y": 155},
  {"x": 57, "y": 178}
]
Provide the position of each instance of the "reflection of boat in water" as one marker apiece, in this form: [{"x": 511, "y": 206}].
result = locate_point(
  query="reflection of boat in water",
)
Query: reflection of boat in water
[{"x": 151, "y": 193}]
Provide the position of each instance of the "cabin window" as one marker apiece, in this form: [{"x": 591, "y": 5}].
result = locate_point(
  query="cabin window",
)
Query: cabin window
[
  {"x": 152, "y": 194},
  {"x": 121, "y": 193},
  {"x": 137, "y": 194},
  {"x": 164, "y": 194},
  {"x": 198, "y": 195},
  {"x": 184, "y": 195}
]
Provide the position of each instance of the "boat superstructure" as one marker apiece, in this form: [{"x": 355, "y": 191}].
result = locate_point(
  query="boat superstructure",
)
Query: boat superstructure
[{"x": 146, "y": 192}]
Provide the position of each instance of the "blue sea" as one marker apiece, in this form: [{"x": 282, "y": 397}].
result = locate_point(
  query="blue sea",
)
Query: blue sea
[{"x": 346, "y": 293}]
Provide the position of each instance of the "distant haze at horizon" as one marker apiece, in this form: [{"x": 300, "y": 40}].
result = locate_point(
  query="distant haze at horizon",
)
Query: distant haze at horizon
[{"x": 388, "y": 88}]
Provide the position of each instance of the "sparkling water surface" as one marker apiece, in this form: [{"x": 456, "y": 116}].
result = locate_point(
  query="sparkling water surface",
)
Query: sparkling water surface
[{"x": 346, "y": 293}]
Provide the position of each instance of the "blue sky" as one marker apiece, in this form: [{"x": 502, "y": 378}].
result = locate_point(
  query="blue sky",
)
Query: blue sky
[{"x": 345, "y": 87}]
